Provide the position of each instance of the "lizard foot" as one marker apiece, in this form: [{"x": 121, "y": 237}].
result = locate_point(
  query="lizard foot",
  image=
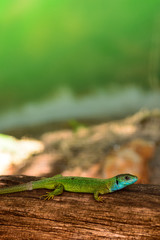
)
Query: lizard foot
[
  {"x": 47, "y": 196},
  {"x": 100, "y": 199}
]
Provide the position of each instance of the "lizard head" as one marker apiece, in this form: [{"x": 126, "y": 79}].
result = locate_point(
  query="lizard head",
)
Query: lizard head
[{"x": 123, "y": 180}]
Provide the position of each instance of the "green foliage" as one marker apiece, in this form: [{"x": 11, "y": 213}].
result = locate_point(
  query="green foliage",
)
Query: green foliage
[
  {"x": 84, "y": 45},
  {"x": 75, "y": 125}
]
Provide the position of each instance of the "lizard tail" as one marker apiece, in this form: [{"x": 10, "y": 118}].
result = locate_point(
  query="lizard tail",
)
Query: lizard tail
[{"x": 17, "y": 188}]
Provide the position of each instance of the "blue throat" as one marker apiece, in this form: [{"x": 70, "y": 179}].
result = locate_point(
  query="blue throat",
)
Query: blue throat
[{"x": 116, "y": 187}]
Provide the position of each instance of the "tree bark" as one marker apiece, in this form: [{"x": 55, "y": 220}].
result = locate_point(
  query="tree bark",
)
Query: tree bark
[{"x": 132, "y": 213}]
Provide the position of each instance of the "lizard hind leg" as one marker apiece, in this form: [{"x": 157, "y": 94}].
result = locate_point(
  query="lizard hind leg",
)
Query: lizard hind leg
[{"x": 57, "y": 191}]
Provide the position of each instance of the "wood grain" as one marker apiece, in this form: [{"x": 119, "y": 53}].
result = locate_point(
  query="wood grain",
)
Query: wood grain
[{"x": 132, "y": 213}]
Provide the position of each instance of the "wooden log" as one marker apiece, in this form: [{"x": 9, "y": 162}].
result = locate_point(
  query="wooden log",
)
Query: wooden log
[{"x": 132, "y": 213}]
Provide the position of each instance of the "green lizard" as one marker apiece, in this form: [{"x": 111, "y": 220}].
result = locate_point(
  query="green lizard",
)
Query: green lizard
[{"x": 75, "y": 184}]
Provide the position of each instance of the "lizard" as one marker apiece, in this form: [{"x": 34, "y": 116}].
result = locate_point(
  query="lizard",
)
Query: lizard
[{"x": 59, "y": 183}]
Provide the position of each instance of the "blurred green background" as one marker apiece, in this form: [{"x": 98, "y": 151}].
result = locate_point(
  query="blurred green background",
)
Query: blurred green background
[{"x": 76, "y": 59}]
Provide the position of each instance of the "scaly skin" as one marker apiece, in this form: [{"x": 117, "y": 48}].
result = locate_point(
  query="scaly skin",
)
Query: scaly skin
[{"x": 75, "y": 184}]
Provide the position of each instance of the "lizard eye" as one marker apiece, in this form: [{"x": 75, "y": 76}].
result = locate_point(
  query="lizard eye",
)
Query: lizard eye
[
  {"x": 127, "y": 177},
  {"x": 116, "y": 181}
]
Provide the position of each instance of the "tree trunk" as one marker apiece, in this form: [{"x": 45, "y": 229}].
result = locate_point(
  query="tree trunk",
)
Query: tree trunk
[{"x": 132, "y": 213}]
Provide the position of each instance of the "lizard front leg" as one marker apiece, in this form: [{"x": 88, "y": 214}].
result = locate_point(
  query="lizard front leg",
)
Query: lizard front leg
[
  {"x": 57, "y": 191},
  {"x": 97, "y": 197},
  {"x": 102, "y": 190}
]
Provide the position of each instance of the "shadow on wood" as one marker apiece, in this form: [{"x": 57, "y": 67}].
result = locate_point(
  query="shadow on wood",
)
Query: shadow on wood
[{"x": 132, "y": 213}]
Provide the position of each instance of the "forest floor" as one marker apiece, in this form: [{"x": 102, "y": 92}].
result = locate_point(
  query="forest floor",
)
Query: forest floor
[{"x": 99, "y": 149}]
